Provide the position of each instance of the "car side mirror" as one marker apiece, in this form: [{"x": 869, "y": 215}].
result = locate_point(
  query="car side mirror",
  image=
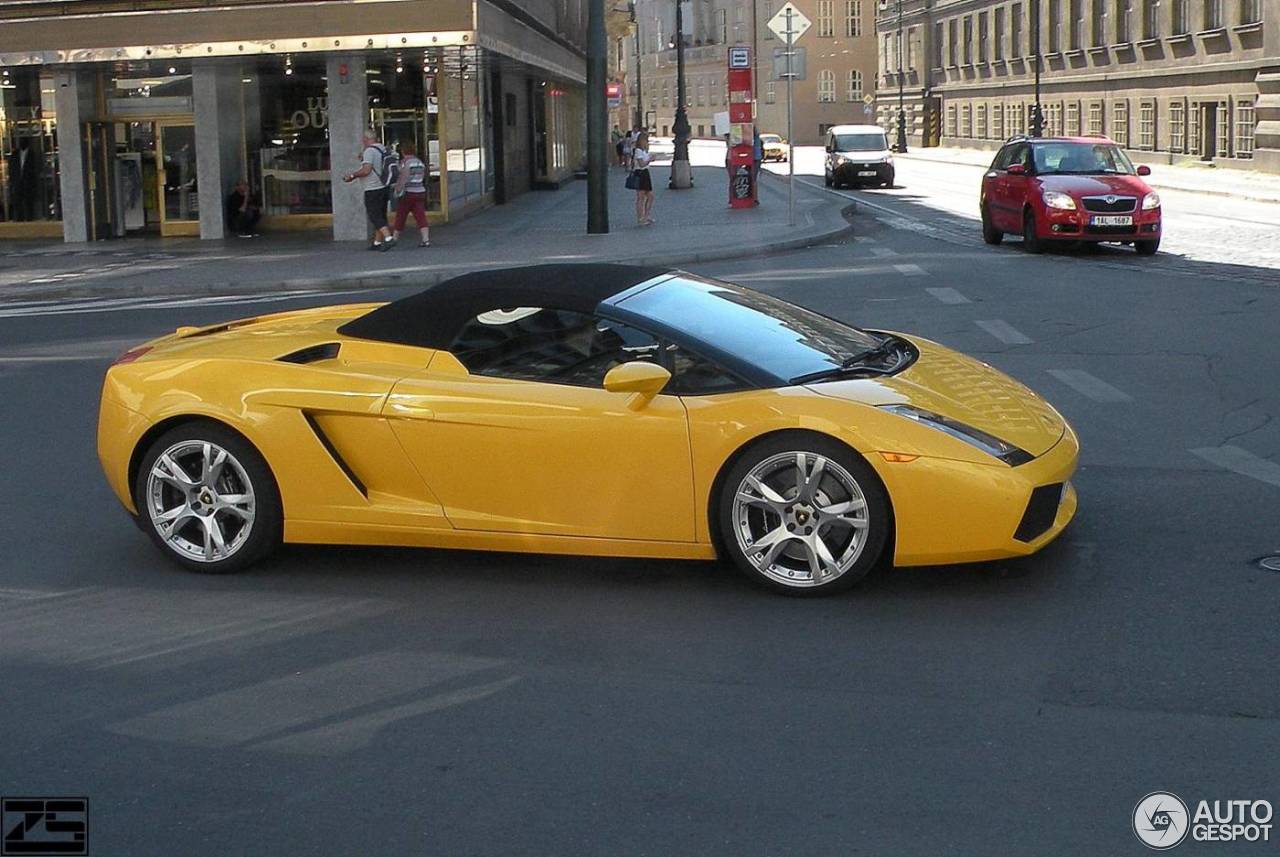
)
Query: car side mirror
[
  {"x": 1144, "y": 170},
  {"x": 1016, "y": 170},
  {"x": 641, "y": 377}
]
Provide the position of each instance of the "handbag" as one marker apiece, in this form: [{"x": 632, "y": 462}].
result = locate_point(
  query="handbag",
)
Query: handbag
[{"x": 632, "y": 182}]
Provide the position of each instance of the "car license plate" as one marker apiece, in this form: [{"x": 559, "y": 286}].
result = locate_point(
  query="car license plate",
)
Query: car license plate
[
  {"x": 866, "y": 173},
  {"x": 1111, "y": 220}
]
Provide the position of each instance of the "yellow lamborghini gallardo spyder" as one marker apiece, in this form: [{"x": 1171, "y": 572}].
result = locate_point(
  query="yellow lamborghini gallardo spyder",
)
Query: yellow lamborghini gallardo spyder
[{"x": 583, "y": 409}]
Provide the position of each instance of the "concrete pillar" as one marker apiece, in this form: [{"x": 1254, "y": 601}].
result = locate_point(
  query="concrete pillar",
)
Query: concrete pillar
[
  {"x": 348, "y": 117},
  {"x": 1266, "y": 112},
  {"x": 219, "y": 139},
  {"x": 73, "y": 99}
]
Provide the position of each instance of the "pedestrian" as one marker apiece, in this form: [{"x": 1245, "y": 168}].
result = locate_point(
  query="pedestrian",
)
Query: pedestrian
[
  {"x": 374, "y": 174},
  {"x": 628, "y": 145},
  {"x": 640, "y": 159},
  {"x": 243, "y": 211},
  {"x": 411, "y": 188},
  {"x": 757, "y": 158},
  {"x": 616, "y": 136}
]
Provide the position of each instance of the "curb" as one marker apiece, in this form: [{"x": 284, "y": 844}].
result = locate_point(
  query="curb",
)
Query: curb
[{"x": 911, "y": 156}]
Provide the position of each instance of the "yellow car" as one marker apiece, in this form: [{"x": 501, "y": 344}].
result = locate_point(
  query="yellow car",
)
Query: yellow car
[
  {"x": 775, "y": 148},
  {"x": 583, "y": 409}
]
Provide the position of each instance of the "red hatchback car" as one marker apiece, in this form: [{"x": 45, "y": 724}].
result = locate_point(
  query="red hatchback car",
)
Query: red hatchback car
[{"x": 1071, "y": 188}]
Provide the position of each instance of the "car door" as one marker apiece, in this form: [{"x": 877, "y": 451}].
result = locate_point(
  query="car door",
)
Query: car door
[
  {"x": 994, "y": 186},
  {"x": 1013, "y": 191},
  {"x": 513, "y": 431}
]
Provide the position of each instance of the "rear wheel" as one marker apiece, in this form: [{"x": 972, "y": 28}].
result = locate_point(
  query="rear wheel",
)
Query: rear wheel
[
  {"x": 207, "y": 499},
  {"x": 1147, "y": 248},
  {"x": 990, "y": 234},
  {"x": 803, "y": 515},
  {"x": 1031, "y": 242}
]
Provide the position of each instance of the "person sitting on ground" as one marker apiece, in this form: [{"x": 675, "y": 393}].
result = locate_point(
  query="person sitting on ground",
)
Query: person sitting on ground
[
  {"x": 411, "y": 190},
  {"x": 243, "y": 210}
]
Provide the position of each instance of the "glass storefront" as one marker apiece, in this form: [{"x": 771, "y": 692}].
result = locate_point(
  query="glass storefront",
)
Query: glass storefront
[
  {"x": 287, "y": 134},
  {"x": 468, "y": 158},
  {"x": 404, "y": 108},
  {"x": 28, "y": 147}
]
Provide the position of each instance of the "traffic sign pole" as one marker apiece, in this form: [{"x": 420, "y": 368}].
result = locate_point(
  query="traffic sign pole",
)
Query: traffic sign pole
[{"x": 791, "y": 146}]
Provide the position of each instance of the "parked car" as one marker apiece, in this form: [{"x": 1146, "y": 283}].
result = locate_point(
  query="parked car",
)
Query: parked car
[
  {"x": 775, "y": 148},
  {"x": 857, "y": 155},
  {"x": 1073, "y": 188}
]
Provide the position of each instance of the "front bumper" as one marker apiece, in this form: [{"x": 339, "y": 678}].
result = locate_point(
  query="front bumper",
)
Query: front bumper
[
  {"x": 848, "y": 173},
  {"x": 953, "y": 511},
  {"x": 1075, "y": 225}
]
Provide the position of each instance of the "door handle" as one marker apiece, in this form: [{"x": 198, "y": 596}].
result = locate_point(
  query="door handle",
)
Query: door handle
[{"x": 416, "y": 412}]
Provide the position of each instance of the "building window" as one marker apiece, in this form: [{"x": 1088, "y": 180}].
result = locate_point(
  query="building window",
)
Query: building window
[
  {"x": 1095, "y": 119},
  {"x": 1014, "y": 112},
  {"x": 1147, "y": 125},
  {"x": 1150, "y": 19},
  {"x": 770, "y": 92},
  {"x": 1053, "y": 121},
  {"x": 968, "y": 40},
  {"x": 1055, "y": 26},
  {"x": 853, "y": 18},
  {"x": 999, "y": 40},
  {"x": 855, "y": 85},
  {"x": 701, "y": 97},
  {"x": 953, "y": 44},
  {"x": 1224, "y": 130},
  {"x": 1016, "y": 48},
  {"x": 1194, "y": 143},
  {"x": 1181, "y": 18},
  {"x": 1212, "y": 14},
  {"x": 966, "y": 120},
  {"x": 1177, "y": 126},
  {"x": 938, "y": 33},
  {"x": 29, "y": 189},
  {"x": 1250, "y": 13},
  {"x": 951, "y": 120},
  {"x": 1244, "y": 129},
  {"x": 1073, "y": 118},
  {"x": 826, "y": 86},
  {"x": 886, "y": 57},
  {"x": 1099, "y": 23},
  {"x": 983, "y": 30},
  {"x": 826, "y": 18},
  {"x": 997, "y": 121},
  {"x": 1124, "y": 32},
  {"x": 1120, "y": 122},
  {"x": 768, "y": 16},
  {"x": 980, "y": 126},
  {"x": 912, "y": 42},
  {"x": 666, "y": 94}
]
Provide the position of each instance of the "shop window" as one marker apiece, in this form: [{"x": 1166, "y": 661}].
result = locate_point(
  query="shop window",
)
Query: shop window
[
  {"x": 461, "y": 82},
  {"x": 287, "y": 135},
  {"x": 28, "y": 147}
]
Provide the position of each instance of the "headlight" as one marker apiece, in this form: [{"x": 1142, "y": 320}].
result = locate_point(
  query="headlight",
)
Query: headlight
[
  {"x": 1150, "y": 201},
  {"x": 1058, "y": 199},
  {"x": 977, "y": 438},
  {"x": 841, "y": 159}
]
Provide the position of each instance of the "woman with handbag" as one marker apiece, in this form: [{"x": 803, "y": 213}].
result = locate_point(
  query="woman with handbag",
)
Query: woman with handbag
[{"x": 640, "y": 181}]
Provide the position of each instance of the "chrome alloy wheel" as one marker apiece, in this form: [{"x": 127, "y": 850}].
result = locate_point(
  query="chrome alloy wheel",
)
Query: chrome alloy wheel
[
  {"x": 200, "y": 501},
  {"x": 800, "y": 519}
]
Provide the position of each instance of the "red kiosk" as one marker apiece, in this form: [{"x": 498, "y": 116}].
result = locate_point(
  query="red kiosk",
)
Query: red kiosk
[{"x": 741, "y": 161}]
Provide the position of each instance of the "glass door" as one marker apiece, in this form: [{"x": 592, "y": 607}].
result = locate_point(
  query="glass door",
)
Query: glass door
[{"x": 176, "y": 179}]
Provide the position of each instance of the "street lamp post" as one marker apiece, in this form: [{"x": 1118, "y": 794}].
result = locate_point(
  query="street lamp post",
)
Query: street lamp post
[
  {"x": 681, "y": 174},
  {"x": 902, "y": 112},
  {"x": 597, "y": 121},
  {"x": 639, "y": 89},
  {"x": 1037, "y": 118}
]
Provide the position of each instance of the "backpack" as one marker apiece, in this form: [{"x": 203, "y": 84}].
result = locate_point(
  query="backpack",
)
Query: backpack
[{"x": 388, "y": 166}]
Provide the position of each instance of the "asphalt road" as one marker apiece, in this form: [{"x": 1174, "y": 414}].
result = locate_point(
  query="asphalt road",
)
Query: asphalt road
[{"x": 356, "y": 701}]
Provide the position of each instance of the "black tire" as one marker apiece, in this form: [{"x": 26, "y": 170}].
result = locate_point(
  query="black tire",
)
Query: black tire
[
  {"x": 1147, "y": 248},
  {"x": 828, "y": 179},
  {"x": 879, "y": 520},
  {"x": 889, "y": 181},
  {"x": 1030, "y": 241},
  {"x": 264, "y": 532},
  {"x": 990, "y": 234}
]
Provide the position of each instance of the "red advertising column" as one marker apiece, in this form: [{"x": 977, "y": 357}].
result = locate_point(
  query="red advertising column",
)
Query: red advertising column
[{"x": 741, "y": 164}]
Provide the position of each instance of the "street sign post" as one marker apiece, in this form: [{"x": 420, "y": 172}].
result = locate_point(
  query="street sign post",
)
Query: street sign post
[
  {"x": 789, "y": 25},
  {"x": 741, "y": 120}
]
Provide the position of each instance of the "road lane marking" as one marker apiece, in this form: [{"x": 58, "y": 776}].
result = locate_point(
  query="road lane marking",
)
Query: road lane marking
[
  {"x": 882, "y": 252},
  {"x": 1241, "y": 461},
  {"x": 948, "y": 296},
  {"x": 1090, "y": 385},
  {"x": 910, "y": 270},
  {"x": 1005, "y": 332}
]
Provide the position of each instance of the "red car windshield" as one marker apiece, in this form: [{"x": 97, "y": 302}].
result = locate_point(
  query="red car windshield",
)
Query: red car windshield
[{"x": 1066, "y": 158}]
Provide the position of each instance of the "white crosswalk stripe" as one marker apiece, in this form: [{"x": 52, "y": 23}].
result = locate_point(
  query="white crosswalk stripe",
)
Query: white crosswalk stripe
[{"x": 1005, "y": 332}]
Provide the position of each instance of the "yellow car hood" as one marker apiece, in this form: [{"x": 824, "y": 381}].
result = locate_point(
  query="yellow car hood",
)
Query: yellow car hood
[{"x": 954, "y": 385}]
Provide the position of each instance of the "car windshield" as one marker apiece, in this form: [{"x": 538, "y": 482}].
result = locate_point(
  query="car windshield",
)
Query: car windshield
[
  {"x": 868, "y": 142},
  {"x": 778, "y": 338},
  {"x": 771, "y": 138},
  {"x": 1081, "y": 159}
]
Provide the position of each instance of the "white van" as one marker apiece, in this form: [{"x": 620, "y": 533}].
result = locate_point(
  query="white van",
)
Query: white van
[{"x": 857, "y": 155}]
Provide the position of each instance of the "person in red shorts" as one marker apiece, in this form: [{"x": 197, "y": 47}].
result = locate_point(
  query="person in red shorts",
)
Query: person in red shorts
[{"x": 411, "y": 188}]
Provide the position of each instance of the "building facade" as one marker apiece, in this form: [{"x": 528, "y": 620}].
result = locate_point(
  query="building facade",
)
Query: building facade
[
  {"x": 123, "y": 118},
  {"x": 1171, "y": 80},
  {"x": 835, "y": 63}
]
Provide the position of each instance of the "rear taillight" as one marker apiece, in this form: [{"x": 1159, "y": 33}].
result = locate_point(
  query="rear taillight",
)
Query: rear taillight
[{"x": 131, "y": 355}]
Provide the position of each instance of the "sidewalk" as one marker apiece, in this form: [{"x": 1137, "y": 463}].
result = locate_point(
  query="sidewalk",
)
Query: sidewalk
[
  {"x": 1190, "y": 178},
  {"x": 691, "y": 226}
]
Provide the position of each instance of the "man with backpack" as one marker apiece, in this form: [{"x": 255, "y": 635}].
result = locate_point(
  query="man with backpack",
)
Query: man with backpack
[{"x": 376, "y": 172}]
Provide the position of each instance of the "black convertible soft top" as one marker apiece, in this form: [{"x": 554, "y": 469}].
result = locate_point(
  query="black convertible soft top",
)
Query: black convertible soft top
[{"x": 432, "y": 318}]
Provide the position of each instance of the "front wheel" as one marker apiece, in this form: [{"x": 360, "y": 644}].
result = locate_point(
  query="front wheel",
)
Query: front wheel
[
  {"x": 829, "y": 180},
  {"x": 990, "y": 234},
  {"x": 1030, "y": 240},
  {"x": 207, "y": 499},
  {"x": 803, "y": 515},
  {"x": 1147, "y": 248}
]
